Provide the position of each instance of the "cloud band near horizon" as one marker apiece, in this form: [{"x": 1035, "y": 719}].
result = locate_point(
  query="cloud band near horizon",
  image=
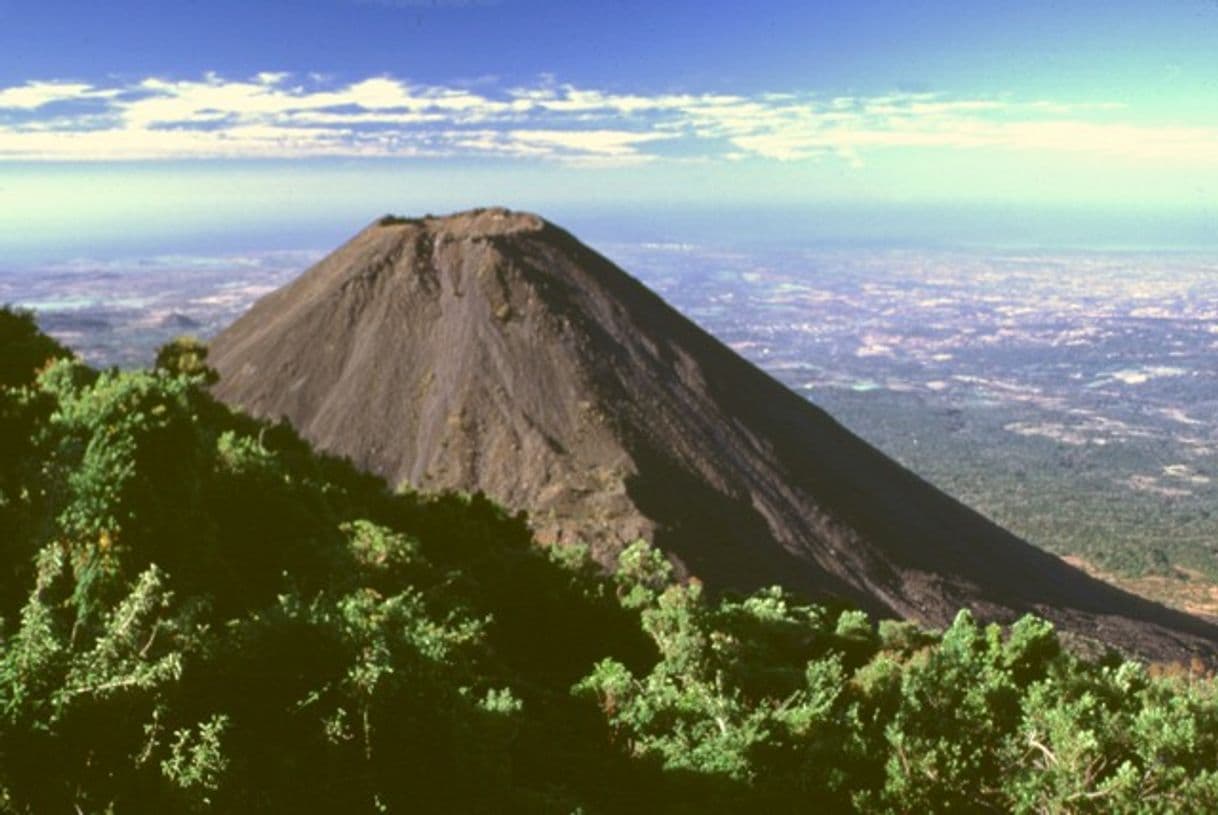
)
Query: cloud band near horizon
[{"x": 278, "y": 115}]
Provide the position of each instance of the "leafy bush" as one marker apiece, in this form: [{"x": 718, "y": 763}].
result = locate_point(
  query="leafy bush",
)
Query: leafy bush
[{"x": 198, "y": 613}]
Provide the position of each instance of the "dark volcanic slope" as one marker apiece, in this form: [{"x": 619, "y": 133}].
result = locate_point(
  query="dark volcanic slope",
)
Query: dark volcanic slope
[{"x": 491, "y": 351}]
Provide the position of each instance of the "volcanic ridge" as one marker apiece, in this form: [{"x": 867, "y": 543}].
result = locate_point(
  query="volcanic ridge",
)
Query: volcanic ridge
[{"x": 491, "y": 351}]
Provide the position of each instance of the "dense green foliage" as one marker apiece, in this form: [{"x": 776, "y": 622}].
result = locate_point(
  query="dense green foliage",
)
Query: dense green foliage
[
  {"x": 201, "y": 614},
  {"x": 1069, "y": 499}
]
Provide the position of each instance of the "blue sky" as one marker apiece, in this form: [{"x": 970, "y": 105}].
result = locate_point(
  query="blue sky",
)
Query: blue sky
[{"x": 170, "y": 120}]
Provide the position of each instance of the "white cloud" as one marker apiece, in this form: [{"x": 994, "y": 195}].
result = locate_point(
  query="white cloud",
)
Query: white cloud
[
  {"x": 33, "y": 95},
  {"x": 604, "y": 143},
  {"x": 280, "y": 114}
]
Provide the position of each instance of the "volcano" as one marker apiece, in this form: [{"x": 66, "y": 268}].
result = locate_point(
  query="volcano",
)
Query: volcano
[{"x": 492, "y": 351}]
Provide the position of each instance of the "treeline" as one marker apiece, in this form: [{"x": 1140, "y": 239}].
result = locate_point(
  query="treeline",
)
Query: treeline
[{"x": 201, "y": 614}]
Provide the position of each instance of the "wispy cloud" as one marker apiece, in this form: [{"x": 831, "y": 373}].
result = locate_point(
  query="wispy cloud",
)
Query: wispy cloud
[
  {"x": 281, "y": 115},
  {"x": 33, "y": 95}
]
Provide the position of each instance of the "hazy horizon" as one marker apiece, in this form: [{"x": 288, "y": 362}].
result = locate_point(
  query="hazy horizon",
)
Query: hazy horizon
[{"x": 996, "y": 228}]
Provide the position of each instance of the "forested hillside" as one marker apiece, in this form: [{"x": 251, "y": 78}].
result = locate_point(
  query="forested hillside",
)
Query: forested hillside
[{"x": 201, "y": 614}]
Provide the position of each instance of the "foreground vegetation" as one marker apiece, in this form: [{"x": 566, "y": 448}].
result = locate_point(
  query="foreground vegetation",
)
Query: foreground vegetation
[{"x": 201, "y": 614}]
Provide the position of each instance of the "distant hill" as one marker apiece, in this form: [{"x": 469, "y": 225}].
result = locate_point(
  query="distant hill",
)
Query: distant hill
[
  {"x": 180, "y": 322},
  {"x": 491, "y": 351}
]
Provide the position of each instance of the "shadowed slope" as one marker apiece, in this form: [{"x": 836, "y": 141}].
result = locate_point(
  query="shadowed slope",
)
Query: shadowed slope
[{"x": 491, "y": 351}]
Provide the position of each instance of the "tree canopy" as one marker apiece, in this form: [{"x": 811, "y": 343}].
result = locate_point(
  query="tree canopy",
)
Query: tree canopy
[{"x": 199, "y": 613}]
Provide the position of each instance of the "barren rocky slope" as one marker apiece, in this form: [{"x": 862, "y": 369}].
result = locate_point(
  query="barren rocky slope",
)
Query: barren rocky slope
[{"x": 490, "y": 350}]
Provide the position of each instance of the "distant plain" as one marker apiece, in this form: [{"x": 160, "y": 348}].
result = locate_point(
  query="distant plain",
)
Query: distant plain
[{"x": 1072, "y": 396}]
